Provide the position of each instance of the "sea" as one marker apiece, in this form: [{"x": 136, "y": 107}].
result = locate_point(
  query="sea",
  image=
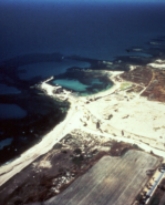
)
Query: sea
[{"x": 39, "y": 39}]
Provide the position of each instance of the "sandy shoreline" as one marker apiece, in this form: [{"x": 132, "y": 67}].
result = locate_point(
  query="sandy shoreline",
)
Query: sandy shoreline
[
  {"x": 143, "y": 128},
  {"x": 9, "y": 170}
]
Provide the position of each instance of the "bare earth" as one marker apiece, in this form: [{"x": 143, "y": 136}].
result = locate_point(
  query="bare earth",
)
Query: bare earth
[{"x": 113, "y": 180}]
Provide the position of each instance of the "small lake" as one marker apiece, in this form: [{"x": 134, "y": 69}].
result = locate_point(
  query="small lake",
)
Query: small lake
[
  {"x": 5, "y": 142},
  {"x": 5, "y": 90},
  {"x": 74, "y": 85},
  {"x": 11, "y": 111},
  {"x": 87, "y": 87}
]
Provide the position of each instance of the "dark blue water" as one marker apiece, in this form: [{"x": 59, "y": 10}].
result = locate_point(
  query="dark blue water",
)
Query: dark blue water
[{"x": 96, "y": 30}]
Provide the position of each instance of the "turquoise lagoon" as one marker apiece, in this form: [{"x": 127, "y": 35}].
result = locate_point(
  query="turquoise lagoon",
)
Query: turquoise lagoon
[
  {"x": 93, "y": 86},
  {"x": 71, "y": 84}
]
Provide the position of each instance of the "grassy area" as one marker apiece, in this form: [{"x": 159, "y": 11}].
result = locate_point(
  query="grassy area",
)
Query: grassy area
[{"x": 125, "y": 85}]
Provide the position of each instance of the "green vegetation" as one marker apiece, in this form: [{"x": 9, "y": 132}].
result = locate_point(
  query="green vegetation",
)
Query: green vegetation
[{"x": 125, "y": 85}]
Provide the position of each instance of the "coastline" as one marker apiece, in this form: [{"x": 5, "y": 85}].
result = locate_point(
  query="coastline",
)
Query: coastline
[
  {"x": 120, "y": 115},
  {"x": 9, "y": 170},
  {"x": 93, "y": 132},
  {"x": 76, "y": 118}
]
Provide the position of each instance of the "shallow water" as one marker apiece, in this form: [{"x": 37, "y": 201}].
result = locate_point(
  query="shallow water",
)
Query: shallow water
[
  {"x": 5, "y": 142},
  {"x": 5, "y": 89},
  {"x": 76, "y": 85},
  {"x": 11, "y": 111},
  {"x": 71, "y": 84},
  {"x": 83, "y": 82}
]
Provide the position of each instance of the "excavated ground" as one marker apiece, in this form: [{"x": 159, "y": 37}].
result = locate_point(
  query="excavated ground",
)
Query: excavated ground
[{"x": 56, "y": 170}]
